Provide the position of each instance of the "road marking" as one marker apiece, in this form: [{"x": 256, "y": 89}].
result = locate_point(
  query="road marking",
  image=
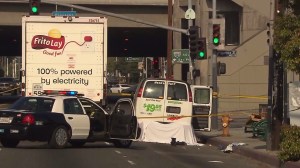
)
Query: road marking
[
  {"x": 215, "y": 161},
  {"x": 131, "y": 162},
  {"x": 118, "y": 152}
]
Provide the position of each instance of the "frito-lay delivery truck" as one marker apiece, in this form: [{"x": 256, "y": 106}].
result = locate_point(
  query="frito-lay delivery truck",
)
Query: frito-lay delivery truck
[{"x": 64, "y": 53}]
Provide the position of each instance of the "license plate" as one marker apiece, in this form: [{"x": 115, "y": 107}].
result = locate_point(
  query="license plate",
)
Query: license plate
[
  {"x": 5, "y": 120},
  {"x": 173, "y": 109}
]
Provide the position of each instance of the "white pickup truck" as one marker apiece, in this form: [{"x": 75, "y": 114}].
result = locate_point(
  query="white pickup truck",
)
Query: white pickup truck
[{"x": 118, "y": 88}]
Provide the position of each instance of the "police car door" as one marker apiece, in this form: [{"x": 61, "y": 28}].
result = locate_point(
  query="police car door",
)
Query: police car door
[
  {"x": 98, "y": 118},
  {"x": 202, "y": 104},
  {"x": 76, "y": 118},
  {"x": 178, "y": 102},
  {"x": 123, "y": 122}
]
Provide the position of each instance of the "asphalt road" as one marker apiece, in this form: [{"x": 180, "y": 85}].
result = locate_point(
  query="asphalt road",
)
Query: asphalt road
[{"x": 102, "y": 155}]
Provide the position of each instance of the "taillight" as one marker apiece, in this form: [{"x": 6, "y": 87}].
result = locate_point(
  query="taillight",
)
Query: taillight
[
  {"x": 28, "y": 119},
  {"x": 140, "y": 92},
  {"x": 190, "y": 96}
]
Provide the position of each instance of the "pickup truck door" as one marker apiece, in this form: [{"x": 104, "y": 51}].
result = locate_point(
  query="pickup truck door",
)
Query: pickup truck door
[
  {"x": 202, "y": 106},
  {"x": 123, "y": 122}
]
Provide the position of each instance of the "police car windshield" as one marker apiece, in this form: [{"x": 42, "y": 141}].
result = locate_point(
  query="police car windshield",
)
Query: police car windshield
[{"x": 34, "y": 104}]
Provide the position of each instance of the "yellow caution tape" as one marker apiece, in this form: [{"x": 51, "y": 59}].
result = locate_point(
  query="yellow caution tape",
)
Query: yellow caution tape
[
  {"x": 9, "y": 90},
  {"x": 230, "y": 113}
]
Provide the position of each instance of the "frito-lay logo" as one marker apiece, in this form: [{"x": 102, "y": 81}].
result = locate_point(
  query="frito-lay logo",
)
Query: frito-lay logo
[{"x": 54, "y": 40}]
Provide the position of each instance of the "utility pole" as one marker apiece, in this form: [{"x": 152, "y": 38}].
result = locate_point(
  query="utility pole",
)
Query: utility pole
[
  {"x": 214, "y": 118},
  {"x": 170, "y": 40},
  {"x": 272, "y": 118}
]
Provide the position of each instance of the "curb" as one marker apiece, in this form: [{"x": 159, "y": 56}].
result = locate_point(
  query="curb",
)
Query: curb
[{"x": 256, "y": 155}]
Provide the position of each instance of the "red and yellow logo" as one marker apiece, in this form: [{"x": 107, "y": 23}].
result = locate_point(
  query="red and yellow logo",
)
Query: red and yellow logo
[{"x": 54, "y": 40}]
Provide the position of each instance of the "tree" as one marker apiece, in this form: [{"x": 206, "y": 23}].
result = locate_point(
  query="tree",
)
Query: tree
[{"x": 287, "y": 36}]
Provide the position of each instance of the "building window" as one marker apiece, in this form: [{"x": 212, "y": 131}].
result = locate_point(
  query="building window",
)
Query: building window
[{"x": 232, "y": 26}]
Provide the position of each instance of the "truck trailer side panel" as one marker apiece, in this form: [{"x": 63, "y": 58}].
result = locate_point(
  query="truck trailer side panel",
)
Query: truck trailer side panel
[{"x": 59, "y": 53}]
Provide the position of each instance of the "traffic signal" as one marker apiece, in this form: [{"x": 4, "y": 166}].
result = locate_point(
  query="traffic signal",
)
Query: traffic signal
[
  {"x": 34, "y": 7},
  {"x": 155, "y": 63},
  {"x": 193, "y": 39},
  {"x": 216, "y": 34},
  {"x": 201, "y": 49},
  {"x": 221, "y": 68},
  {"x": 155, "y": 67}
]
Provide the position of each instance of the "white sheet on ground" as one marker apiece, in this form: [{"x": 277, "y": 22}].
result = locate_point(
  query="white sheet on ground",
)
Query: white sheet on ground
[{"x": 153, "y": 131}]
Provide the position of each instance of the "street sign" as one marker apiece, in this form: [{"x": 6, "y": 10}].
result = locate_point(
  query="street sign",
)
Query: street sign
[
  {"x": 180, "y": 56},
  {"x": 224, "y": 53},
  {"x": 133, "y": 59},
  {"x": 64, "y": 13},
  {"x": 190, "y": 14}
]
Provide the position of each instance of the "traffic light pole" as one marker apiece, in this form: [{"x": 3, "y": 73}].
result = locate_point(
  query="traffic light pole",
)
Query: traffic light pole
[
  {"x": 184, "y": 31},
  {"x": 191, "y": 62},
  {"x": 214, "y": 117}
]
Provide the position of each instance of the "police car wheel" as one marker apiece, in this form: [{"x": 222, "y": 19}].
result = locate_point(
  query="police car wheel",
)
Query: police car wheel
[
  {"x": 59, "y": 138},
  {"x": 122, "y": 143},
  {"x": 9, "y": 143}
]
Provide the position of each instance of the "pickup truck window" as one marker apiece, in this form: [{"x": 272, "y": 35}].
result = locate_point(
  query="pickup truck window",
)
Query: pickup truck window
[
  {"x": 177, "y": 91},
  {"x": 154, "y": 89},
  {"x": 202, "y": 96}
]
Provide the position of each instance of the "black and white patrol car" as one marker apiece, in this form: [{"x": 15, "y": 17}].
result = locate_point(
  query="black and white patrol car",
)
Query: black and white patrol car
[{"x": 63, "y": 118}]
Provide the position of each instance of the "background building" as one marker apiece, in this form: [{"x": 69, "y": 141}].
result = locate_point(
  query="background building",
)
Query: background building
[{"x": 245, "y": 84}]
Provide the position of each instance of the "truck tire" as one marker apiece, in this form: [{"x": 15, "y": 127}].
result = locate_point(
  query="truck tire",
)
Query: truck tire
[
  {"x": 59, "y": 138},
  {"x": 122, "y": 143},
  {"x": 9, "y": 143}
]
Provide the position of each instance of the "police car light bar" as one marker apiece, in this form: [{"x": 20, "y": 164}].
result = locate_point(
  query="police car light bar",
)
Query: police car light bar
[{"x": 61, "y": 93}]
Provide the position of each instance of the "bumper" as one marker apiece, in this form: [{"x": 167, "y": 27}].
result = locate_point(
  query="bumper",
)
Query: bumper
[
  {"x": 21, "y": 132},
  {"x": 14, "y": 132}
]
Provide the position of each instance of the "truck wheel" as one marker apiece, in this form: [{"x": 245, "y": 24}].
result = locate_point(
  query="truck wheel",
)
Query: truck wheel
[
  {"x": 77, "y": 143},
  {"x": 122, "y": 143},
  {"x": 9, "y": 143},
  {"x": 59, "y": 138}
]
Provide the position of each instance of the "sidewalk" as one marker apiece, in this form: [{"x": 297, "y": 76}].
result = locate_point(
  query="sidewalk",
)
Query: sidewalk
[{"x": 254, "y": 148}]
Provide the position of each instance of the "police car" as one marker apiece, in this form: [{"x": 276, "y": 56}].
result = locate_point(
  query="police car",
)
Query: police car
[{"x": 60, "y": 117}]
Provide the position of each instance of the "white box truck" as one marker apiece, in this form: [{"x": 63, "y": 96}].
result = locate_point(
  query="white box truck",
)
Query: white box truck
[{"x": 64, "y": 53}]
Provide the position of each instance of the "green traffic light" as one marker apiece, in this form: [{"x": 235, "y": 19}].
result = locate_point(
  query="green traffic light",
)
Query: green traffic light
[
  {"x": 34, "y": 9},
  {"x": 201, "y": 54},
  {"x": 216, "y": 40}
]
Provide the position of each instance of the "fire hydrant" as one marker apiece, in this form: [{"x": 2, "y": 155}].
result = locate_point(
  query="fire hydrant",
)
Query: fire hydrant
[{"x": 225, "y": 124}]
